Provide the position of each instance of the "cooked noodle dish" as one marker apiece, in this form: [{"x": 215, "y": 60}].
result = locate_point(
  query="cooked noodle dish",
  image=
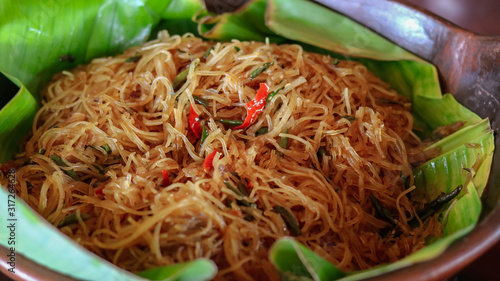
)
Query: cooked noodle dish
[{"x": 184, "y": 148}]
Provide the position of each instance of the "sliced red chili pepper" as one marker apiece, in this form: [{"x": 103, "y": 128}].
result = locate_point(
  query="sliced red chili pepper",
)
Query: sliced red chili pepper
[
  {"x": 194, "y": 122},
  {"x": 209, "y": 161},
  {"x": 166, "y": 180},
  {"x": 255, "y": 106},
  {"x": 99, "y": 192},
  {"x": 237, "y": 212}
]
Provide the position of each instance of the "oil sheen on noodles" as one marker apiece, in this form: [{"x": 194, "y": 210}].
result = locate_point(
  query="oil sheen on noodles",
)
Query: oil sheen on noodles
[{"x": 114, "y": 161}]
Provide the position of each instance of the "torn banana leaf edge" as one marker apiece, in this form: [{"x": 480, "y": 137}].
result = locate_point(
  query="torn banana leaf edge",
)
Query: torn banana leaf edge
[{"x": 278, "y": 20}]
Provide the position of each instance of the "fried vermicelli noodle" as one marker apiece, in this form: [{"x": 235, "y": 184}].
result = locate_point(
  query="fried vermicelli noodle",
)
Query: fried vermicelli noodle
[{"x": 112, "y": 147}]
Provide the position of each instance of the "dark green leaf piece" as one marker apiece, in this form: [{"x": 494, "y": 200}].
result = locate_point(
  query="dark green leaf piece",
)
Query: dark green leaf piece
[
  {"x": 261, "y": 131},
  {"x": 242, "y": 189},
  {"x": 99, "y": 168},
  {"x": 289, "y": 220},
  {"x": 239, "y": 193},
  {"x": 59, "y": 162},
  {"x": 350, "y": 118},
  {"x": 232, "y": 188},
  {"x": 200, "y": 100},
  {"x": 321, "y": 152},
  {"x": 72, "y": 218},
  {"x": 135, "y": 58},
  {"x": 236, "y": 48},
  {"x": 383, "y": 212},
  {"x": 435, "y": 205}
]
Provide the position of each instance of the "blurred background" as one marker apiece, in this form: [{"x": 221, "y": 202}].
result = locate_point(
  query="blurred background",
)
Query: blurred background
[{"x": 479, "y": 16}]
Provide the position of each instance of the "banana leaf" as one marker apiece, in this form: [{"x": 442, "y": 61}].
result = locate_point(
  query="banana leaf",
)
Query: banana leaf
[
  {"x": 59, "y": 35},
  {"x": 294, "y": 260}
]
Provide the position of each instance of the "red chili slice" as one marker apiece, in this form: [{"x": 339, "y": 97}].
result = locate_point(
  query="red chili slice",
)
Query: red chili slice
[
  {"x": 166, "y": 180},
  {"x": 255, "y": 106},
  {"x": 209, "y": 161},
  {"x": 194, "y": 122},
  {"x": 99, "y": 192}
]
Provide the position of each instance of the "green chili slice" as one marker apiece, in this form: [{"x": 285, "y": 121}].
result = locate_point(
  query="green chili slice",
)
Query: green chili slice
[
  {"x": 204, "y": 134},
  {"x": 230, "y": 122},
  {"x": 261, "y": 69},
  {"x": 180, "y": 79},
  {"x": 283, "y": 143},
  {"x": 200, "y": 100},
  {"x": 271, "y": 95},
  {"x": 106, "y": 148}
]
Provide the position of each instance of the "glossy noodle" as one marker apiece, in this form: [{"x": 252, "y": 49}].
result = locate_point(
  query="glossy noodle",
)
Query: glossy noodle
[{"x": 115, "y": 162}]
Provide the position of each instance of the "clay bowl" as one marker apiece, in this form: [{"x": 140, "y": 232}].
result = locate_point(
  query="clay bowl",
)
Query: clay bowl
[{"x": 469, "y": 68}]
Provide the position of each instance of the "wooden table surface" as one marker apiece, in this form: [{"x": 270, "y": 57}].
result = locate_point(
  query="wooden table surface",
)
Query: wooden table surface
[{"x": 483, "y": 17}]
